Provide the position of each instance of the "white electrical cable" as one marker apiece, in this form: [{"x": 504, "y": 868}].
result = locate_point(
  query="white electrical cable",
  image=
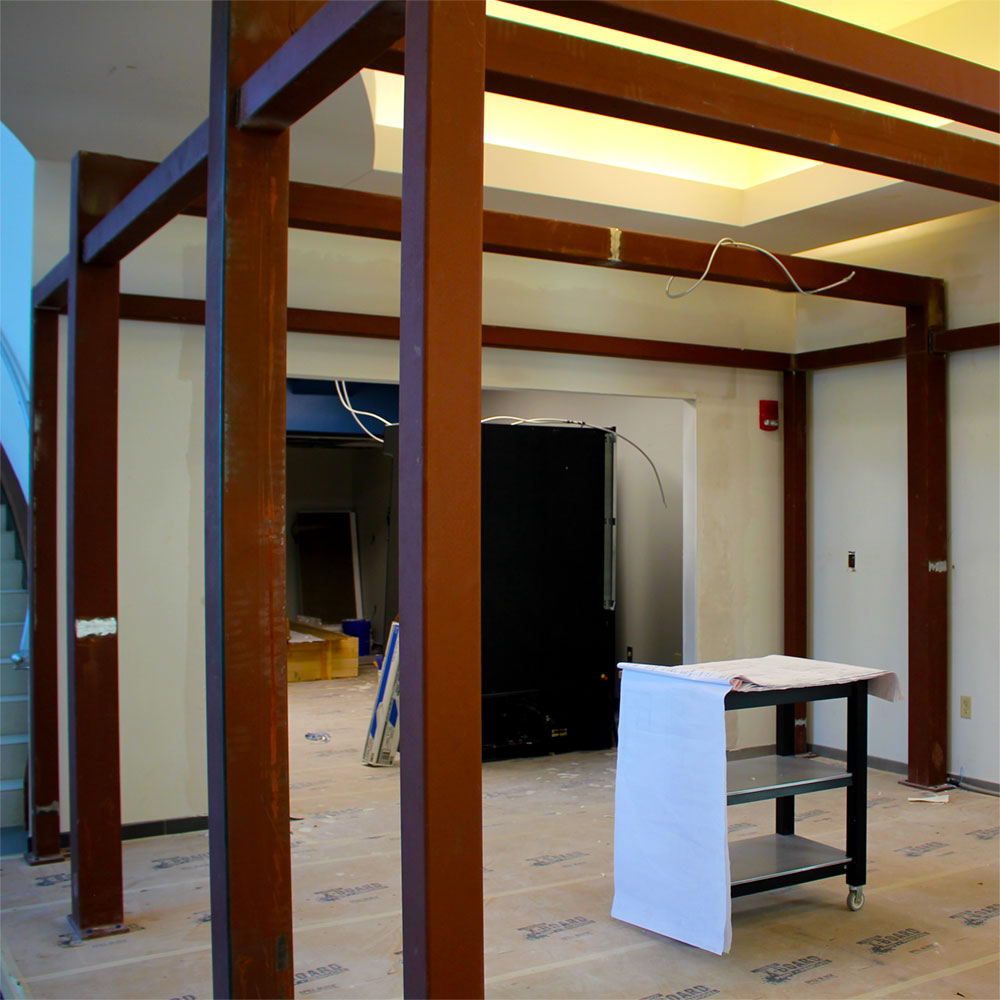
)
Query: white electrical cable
[
  {"x": 728, "y": 242},
  {"x": 345, "y": 401},
  {"x": 584, "y": 423}
]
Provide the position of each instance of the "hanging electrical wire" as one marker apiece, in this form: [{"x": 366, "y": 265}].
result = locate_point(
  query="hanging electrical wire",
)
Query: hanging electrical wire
[
  {"x": 728, "y": 242},
  {"x": 583, "y": 423},
  {"x": 345, "y": 401}
]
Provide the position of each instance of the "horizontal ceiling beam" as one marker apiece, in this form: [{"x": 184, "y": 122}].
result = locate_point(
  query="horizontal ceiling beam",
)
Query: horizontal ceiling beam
[
  {"x": 968, "y": 338},
  {"x": 164, "y": 191},
  {"x": 51, "y": 291},
  {"x": 331, "y": 47},
  {"x": 633, "y": 348},
  {"x": 850, "y": 354},
  {"x": 552, "y": 68},
  {"x": 364, "y": 214},
  {"x": 191, "y": 312},
  {"x": 360, "y": 213},
  {"x": 337, "y": 210},
  {"x": 165, "y": 309},
  {"x": 797, "y": 42}
]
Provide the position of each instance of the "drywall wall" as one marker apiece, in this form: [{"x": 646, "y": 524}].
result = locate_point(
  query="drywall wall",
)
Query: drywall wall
[
  {"x": 161, "y": 635},
  {"x": 962, "y": 250},
  {"x": 974, "y": 565},
  {"x": 161, "y": 638},
  {"x": 737, "y": 596},
  {"x": 858, "y": 486},
  {"x": 857, "y": 502}
]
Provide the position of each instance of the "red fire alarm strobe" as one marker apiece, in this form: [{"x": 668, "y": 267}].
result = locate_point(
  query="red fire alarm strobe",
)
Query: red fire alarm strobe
[{"x": 768, "y": 414}]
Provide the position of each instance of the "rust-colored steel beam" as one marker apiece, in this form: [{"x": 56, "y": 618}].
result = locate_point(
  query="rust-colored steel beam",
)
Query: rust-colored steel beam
[
  {"x": 167, "y": 309},
  {"x": 51, "y": 292},
  {"x": 967, "y": 338},
  {"x": 162, "y": 193},
  {"x": 927, "y": 544},
  {"x": 851, "y": 354},
  {"x": 439, "y": 498},
  {"x": 323, "y": 321},
  {"x": 43, "y": 703},
  {"x": 557, "y": 69},
  {"x": 335, "y": 210},
  {"x": 550, "y": 240},
  {"x": 334, "y": 44},
  {"x": 164, "y": 309},
  {"x": 636, "y": 348},
  {"x": 797, "y": 42},
  {"x": 794, "y": 432},
  {"x": 98, "y": 183},
  {"x": 247, "y": 694}
]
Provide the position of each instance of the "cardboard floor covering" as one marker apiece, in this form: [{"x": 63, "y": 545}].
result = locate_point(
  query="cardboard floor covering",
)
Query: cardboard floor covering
[{"x": 929, "y": 928}]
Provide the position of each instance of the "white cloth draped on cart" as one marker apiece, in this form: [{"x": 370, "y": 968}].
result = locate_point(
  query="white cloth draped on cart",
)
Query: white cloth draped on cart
[
  {"x": 671, "y": 855},
  {"x": 671, "y": 849}
]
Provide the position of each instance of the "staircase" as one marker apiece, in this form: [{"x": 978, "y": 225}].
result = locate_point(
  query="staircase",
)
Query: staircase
[{"x": 13, "y": 682}]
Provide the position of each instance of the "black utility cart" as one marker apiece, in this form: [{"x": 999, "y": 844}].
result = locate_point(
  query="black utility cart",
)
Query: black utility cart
[{"x": 783, "y": 858}]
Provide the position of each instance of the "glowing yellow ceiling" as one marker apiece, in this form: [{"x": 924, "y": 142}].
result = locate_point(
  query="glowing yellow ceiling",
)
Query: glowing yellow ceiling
[{"x": 968, "y": 29}]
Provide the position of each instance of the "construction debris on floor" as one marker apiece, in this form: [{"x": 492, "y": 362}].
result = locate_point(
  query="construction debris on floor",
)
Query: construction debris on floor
[{"x": 928, "y": 928}]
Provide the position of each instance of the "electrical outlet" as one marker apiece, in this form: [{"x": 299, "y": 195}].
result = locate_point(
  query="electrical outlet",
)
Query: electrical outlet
[{"x": 965, "y": 706}]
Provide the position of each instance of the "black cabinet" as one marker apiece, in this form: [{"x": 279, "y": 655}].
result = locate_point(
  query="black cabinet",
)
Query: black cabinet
[{"x": 548, "y": 589}]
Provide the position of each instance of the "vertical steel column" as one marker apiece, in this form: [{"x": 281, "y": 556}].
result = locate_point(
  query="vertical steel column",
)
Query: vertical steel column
[
  {"x": 247, "y": 694},
  {"x": 927, "y": 539},
  {"x": 796, "y": 537},
  {"x": 92, "y": 564},
  {"x": 440, "y": 488},
  {"x": 43, "y": 751}
]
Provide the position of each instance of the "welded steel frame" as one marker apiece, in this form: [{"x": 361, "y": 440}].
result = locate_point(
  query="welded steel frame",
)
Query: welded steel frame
[
  {"x": 92, "y": 562},
  {"x": 292, "y": 81},
  {"x": 245, "y": 660},
  {"x": 798, "y": 42},
  {"x": 440, "y": 407},
  {"x": 553, "y": 68}
]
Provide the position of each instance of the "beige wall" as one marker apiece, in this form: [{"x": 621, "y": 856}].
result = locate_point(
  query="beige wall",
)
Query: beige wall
[
  {"x": 858, "y": 488},
  {"x": 736, "y": 583}
]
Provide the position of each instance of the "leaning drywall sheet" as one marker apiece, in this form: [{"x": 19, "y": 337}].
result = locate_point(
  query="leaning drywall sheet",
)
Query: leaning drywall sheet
[{"x": 928, "y": 929}]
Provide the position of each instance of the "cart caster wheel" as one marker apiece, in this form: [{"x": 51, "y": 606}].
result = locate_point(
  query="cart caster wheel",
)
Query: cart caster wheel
[{"x": 856, "y": 899}]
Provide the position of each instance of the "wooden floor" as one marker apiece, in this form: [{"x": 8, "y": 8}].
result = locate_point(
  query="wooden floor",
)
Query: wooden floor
[{"x": 928, "y": 929}]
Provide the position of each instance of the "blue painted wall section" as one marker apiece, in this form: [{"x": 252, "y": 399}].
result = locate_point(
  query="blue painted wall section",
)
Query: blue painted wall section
[{"x": 313, "y": 407}]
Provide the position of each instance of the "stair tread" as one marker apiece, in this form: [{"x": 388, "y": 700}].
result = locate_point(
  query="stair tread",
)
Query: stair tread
[
  {"x": 13, "y": 739},
  {"x": 11, "y": 784},
  {"x": 7, "y": 699}
]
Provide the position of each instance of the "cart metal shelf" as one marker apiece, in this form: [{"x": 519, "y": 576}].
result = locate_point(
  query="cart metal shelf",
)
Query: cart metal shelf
[
  {"x": 757, "y": 778},
  {"x": 782, "y": 858},
  {"x": 777, "y": 860}
]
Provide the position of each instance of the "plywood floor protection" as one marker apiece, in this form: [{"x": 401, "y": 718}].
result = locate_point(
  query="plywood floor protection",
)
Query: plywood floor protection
[{"x": 929, "y": 928}]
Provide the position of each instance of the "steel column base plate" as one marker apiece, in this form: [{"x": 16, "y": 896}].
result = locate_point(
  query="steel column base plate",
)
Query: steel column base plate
[
  {"x": 101, "y": 930},
  {"x": 43, "y": 859},
  {"x": 926, "y": 788}
]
